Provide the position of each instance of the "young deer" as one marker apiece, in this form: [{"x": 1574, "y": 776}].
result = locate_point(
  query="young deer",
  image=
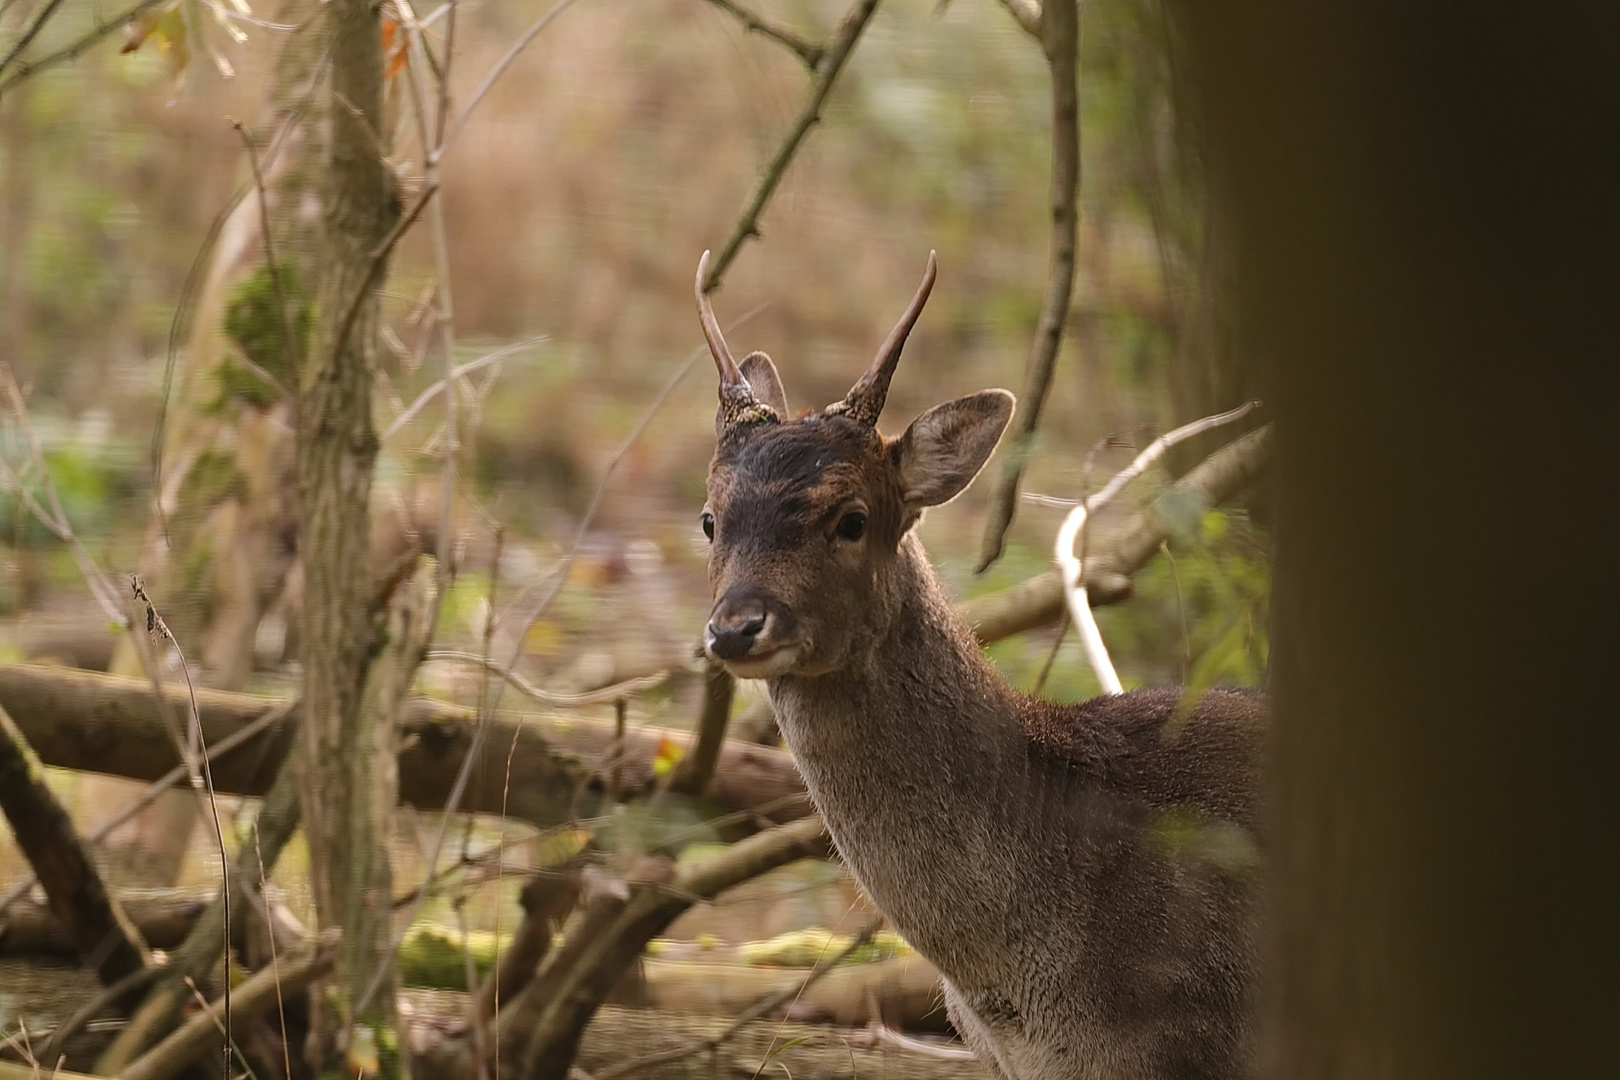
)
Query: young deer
[{"x": 1083, "y": 878}]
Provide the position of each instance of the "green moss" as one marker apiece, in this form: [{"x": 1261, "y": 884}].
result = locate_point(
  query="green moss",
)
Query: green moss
[
  {"x": 432, "y": 956},
  {"x": 213, "y": 477},
  {"x": 254, "y": 322}
]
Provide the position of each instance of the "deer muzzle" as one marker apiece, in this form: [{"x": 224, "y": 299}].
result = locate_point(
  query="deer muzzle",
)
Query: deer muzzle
[{"x": 751, "y": 633}]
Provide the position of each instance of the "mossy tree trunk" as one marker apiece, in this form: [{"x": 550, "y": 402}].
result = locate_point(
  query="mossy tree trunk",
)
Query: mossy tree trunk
[
  {"x": 349, "y": 778},
  {"x": 219, "y": 548}
]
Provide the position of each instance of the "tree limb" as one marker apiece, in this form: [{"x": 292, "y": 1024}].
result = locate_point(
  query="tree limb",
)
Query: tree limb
[
  {"x": 1039, "y": 601},
  {"x": 103, "y": 723},
  {"x": 645, "y": 910},
  {"x": 276, "y": 821},
  {"x": 810, "y": 55},
  {"x": 765, "y": 1007},
  {"x": 30, "y": 68},
  {"x": 1060, "y": 34},
  {"x": 843, "y": 43},
  {"x": 696, "y": 771},
  {"x": 77, "y": 898},
  {"x": 254, "y": 997}
]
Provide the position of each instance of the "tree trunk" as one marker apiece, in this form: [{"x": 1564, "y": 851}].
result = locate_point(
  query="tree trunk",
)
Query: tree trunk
[
  {"x": 349, "y": 773},
  {"x": 1427, "y": 277},
  {"x": 222, "y": 537}
]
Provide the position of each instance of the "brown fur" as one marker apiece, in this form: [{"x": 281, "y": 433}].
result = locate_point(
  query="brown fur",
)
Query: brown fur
[{"x": 1083, "y": 876}]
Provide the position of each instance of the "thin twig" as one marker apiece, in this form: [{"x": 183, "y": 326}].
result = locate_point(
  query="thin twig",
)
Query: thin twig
[
  {"x": 1071, "y": 566},
  {"x": 811, "y": 55},
  {"x": 287, "y": 342},
  {"x": 449, "y": 136},
  {"x": 843, "y": 43},
  {"x": 749, "y": 1015},
  {"x": 30, "y": 32},
  {"x": 199, "y": 749},
  {"x": 1060, "y": 34},
  {"x": 548, "y": 697},
  {"x": 28, "y": 69}
]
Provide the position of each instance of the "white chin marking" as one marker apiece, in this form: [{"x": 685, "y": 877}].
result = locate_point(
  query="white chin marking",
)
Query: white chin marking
[{"x": 765, "y": 667}]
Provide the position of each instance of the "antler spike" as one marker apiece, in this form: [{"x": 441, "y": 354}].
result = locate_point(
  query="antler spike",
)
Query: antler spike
[
  {"x": 864, "y": 402},
  {"x": 737, "y": 400}
]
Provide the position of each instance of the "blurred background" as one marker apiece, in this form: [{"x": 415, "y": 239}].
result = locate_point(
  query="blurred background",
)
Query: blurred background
[{"x": 620, "y": 144}]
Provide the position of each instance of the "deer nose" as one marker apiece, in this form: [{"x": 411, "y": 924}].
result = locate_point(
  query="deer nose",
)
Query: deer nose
[{"x": 733, "y": 630}]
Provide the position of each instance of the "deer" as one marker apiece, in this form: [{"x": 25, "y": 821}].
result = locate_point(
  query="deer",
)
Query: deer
[{"x": 1083, "y": 876}]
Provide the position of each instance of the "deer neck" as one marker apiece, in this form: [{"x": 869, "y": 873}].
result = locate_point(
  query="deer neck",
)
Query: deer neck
[{"x": 909, "y": 752}]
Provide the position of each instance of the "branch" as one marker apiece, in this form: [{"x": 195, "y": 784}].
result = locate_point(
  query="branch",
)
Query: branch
[
  {"x": 275, "y": 823},
  {"x": 765, "y": 1007},
  {"x": 616, "y": 930},
  {"x": 254, "y": 997},
  {"x": 95, "y": 722},
  {"x": 810, "y": 55},
  {"x": 1039, "y": 601},
  {"x": 155, "y": 789},
  {"x": 843, "y": 43},
  {"x": 696, "y": 770},
  {"x": 30, "y": 32},
  {"x": 1060, "y": 32},
  {"x": 77, "y": 897},
  {"x": 30, "y": 68}
]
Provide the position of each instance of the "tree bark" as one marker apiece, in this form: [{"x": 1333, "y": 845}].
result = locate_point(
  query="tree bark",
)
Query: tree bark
[
  {"x": 348, "y": 769},
  {"x": 615, "y": 928},
  {"x": 1426, "y": 245},
  {"x": 93, "y": 722}
]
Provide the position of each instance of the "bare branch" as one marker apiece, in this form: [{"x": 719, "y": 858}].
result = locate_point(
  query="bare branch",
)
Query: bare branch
[
  {"x": 766, "y": 1007},
  {"x": 1107, "y": 574},
  {"x": 449, "y": 136},
  {"x": 30, "y": 68},
  {"x": 1060, "y": 33},
  {"x": 30, "y": 32},
  {"x": 810, "y": 55},
  {"x": 77, "y": 897},
  {"x": 258, "y": 994},
  {"x": 843, "y": 43},
  {"x": 1070, "y": 565},
  {"x": 696, "y": 770},
  {"x": 523, "y": 686}
]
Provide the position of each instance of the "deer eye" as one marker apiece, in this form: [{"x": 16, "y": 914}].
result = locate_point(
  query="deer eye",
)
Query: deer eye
[
  {"x": 708, "y": 524},
  {"x": 852, "y": 526}
]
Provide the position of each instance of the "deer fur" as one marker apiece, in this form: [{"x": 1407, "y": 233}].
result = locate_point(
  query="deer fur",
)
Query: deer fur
[{"x": 1084, "y": 876}]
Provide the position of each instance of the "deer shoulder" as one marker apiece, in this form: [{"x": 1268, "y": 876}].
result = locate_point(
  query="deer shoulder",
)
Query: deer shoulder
[{"x": 1083, "y": 876}]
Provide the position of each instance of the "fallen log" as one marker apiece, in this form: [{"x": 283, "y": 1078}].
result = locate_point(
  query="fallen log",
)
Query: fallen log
[{"x": 102, "y": 723}]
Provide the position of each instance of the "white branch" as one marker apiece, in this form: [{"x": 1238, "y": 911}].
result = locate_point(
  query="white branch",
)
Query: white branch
[{"x": 1071, "y": 565}]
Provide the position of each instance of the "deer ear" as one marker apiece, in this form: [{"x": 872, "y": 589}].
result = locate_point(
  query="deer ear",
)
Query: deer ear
[
  {"x": 944, "y": 448},
  {"x": 767, "y": 384}
]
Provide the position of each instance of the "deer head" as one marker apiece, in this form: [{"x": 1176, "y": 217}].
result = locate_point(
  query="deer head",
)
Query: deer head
[{"x": 807, "y": 516}]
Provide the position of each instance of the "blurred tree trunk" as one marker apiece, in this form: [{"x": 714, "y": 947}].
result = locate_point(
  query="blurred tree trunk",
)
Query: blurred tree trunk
[
  {"x": 1427, "y": 236},
  {"x": 219, "y": 551},
  {"x": 350, "y": 777}
]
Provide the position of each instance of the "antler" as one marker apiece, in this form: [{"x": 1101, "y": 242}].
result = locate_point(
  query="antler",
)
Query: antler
[
  {"x": 737, "y": 400},
  {"x": 864, "y": 401}
]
